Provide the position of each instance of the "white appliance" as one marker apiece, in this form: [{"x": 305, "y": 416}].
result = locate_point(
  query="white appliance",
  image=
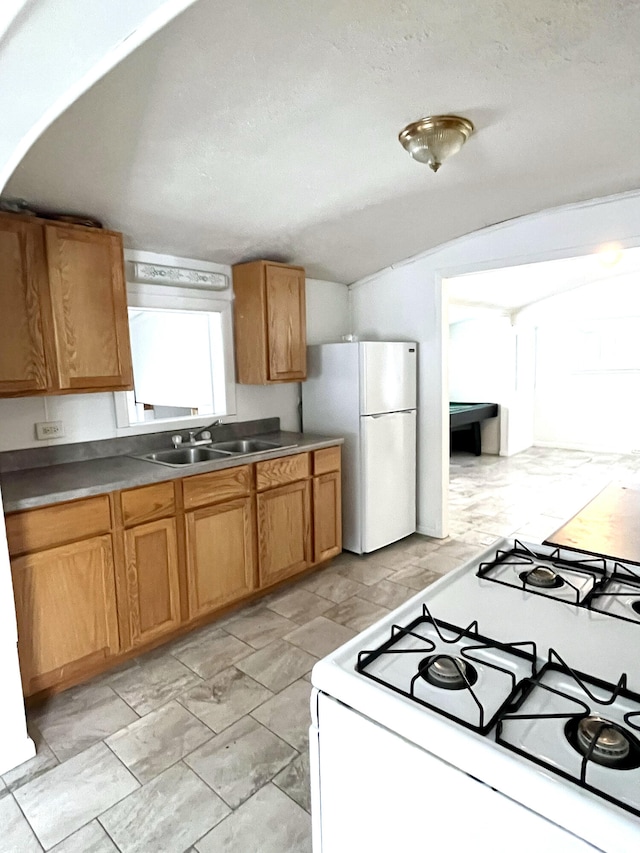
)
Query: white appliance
[
  {"x": 366, "y": 392},
  {"x": 488, "y": 713}
]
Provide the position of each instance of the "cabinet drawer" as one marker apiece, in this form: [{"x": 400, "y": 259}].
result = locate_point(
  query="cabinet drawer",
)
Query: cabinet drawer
[
  {"x": 147, "y": 503},
  {"x": 279, "y": 472},
  {"x": 326, "y": 460},
  {"x": 217, "y": 486},
  {"x": 36, "y": 529}
]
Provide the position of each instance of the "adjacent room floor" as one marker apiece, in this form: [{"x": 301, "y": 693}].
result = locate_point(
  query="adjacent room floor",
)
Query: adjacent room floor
[{"x": 202, "y": 745}]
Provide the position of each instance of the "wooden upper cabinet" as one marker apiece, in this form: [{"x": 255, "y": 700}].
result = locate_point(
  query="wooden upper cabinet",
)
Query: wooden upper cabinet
[
  {"x": 23, "y": 296},
  {"x": 88, "y": 296},
  {"x": 270, "y": 323},
  {"x": 63, "y": 309}
]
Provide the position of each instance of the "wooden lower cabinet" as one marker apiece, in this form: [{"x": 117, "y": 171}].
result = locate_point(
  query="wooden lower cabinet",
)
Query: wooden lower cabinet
[
  {"x": 152, "y": 580},
  {"x": 284, "y": 532},
  {"x": 66, "y": 610},
  {"x": 220, "y": 561},
  {"x": 97, "y": 578},
  {"x": 327, "y": 517}
]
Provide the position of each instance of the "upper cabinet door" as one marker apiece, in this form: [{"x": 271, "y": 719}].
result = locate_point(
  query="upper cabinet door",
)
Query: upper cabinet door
[
  {"x": 87, "y": 286},
  {"x": 286, "y": 323},
  {"x": 23, "y": 302},
  {"x": 270, "y": 323}
]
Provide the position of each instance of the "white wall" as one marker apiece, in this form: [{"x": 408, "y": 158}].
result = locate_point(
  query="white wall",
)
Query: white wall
[
  {"x": 482, "y": 368},
  {"x": 406, "y": 302},
  {"x": 328, "y": 314},
  {"x": 587, "y": 392}
]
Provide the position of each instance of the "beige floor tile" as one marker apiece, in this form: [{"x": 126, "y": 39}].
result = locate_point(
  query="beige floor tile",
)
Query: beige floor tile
[
  {"x": 90, "y": 839},
  {"x": 365, "y": 570},
  {"x": 320, "y": 636},
  {"x": 294, "y": 781},
  {"x": 76, "y": 719},
  {"x": 288, "y": 714},
  {"x": 155, "y": 680},
  {"x": 158, "y": 740},
  {"x": 209, "y": 652},
  {"x": 241, "y": 760},
  {"x": 16, "y": 835},
  {"x": 165, "y": 815},
  {"x": 64, "y": 799},
  {"x": 387, "y": 593},
  {"x": 43, "y": 760},
  {"x": 356, "y": 613},
  {"x": 415, "y": 577},
  {"x": 225, "y": 698},
  {"x": 278, "y": 664},
  {"x": 299, "y": 604},
  {"x": 329, "y": 584},
  {"x": 269, "y": 822},
  {"x": 259, "y": 627}
]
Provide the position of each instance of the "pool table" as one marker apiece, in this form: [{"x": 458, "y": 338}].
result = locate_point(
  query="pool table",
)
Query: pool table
[{"x": 465, "y": 420}]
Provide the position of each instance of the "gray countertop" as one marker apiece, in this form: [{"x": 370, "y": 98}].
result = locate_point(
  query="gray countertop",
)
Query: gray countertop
[{"x": 36, "y": 487}]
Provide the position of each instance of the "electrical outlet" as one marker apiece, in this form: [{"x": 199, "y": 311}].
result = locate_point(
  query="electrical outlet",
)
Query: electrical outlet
[{"x": 49, "y": 429}]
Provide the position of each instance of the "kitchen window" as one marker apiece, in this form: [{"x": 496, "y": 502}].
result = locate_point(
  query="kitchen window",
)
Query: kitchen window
[{"x": 182, "y": 352}]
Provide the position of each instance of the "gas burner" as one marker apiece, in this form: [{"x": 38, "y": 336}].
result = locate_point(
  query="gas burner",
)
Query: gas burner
[
  {"x": 542, "y": 577},
  {"x": 448, "y": 672},
  {"x": 453, "y": 671},
  {"x": 580, "y": 727},
  {"x": 604, "y": 742},
  {"x": 546, "y": 570}
]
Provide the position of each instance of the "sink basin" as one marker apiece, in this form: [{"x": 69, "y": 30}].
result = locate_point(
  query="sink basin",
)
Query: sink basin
[
  {"x": 247, "y": 445},
  {"x": 221, "y": 450},
  {"x": 184, "y": 456}
]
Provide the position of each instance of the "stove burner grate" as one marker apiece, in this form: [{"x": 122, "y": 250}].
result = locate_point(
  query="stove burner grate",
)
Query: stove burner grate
[
  {"x": 531, "y": 576},
  {"x": 623, "y": 585},
  {"x": 457, "y": 671},
  {"x": 598, "y": 740}
]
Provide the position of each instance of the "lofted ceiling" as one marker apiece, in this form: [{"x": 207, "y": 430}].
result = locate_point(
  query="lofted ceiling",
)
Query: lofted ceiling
[
  {"x": 512, "y": 290},
  {"x": 268, "y": 128}
]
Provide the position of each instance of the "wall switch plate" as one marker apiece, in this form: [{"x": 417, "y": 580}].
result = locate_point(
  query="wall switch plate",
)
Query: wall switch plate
[{"x": 49, "y": 429}]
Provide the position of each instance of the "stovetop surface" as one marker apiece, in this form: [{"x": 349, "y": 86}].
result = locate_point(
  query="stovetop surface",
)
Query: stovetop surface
[{"x": 590, "y": 642}]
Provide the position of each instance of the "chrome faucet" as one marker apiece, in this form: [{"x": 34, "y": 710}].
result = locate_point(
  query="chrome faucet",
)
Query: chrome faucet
[{"x": 205, "y": 436}]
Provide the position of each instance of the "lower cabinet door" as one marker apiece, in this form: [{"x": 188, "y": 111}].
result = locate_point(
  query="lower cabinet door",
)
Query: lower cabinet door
[
  {"x": 153, "y": 585},
  {"x": 284, "y": 531},
  {"x": 327, "y": 516},
  {"x": 66, "y": 611},
  {"x": 219, "y": 555}
]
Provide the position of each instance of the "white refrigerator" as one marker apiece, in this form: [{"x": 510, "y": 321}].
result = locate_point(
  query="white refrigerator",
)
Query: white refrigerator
[{"x": 365, "y": 391}]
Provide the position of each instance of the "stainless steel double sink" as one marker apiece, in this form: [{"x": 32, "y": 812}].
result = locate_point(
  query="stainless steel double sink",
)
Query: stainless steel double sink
[{"x": 217, "y": 450}]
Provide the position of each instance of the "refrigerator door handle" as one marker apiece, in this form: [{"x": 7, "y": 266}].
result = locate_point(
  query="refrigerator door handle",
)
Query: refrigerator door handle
[{"x": 386, "y": 414}]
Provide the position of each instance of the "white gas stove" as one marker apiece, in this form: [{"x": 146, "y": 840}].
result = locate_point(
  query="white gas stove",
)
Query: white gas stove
[{"x": 497, "y": 710}]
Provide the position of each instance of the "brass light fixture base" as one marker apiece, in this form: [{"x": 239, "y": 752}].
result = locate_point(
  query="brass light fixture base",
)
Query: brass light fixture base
[{"x": 432, "y": 139}]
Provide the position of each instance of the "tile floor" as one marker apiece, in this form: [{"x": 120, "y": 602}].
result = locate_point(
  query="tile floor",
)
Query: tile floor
[{"x": 202, "y": 745}]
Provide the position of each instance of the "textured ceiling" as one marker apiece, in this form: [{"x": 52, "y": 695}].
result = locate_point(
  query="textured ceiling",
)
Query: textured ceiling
[{"x": 268, "y": 128}]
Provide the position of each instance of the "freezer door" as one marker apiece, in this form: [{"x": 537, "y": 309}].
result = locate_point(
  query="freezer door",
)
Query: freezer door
[
  {"x": 387, "y": 377},
  {"x": 388, "y": 478}
]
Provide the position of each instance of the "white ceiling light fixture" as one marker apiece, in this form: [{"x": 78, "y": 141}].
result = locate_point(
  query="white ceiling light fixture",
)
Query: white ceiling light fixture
[{"x": 432, "y": 139}]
